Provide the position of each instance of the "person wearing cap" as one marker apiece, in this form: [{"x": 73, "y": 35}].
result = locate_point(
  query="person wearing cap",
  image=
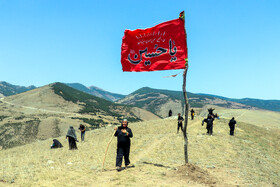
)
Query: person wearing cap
[{"x": 123, "y": 133}]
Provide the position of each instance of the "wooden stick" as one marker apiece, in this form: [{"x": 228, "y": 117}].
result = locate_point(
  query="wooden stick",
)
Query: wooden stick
[
  {"x": 186, "y": 102},
  {"x": 186, "y": 116},
  {"x": 107, "y": 149}
]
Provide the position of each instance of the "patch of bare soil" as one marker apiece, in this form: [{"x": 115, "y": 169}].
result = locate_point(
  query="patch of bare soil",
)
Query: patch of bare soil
[{"x": 190, "y": 172}]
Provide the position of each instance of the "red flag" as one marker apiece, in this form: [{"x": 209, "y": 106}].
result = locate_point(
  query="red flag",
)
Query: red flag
[{"x": 162, "y": 47}]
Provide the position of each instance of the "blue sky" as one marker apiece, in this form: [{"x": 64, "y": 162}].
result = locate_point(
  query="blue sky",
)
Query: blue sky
[{"x": 234, "y": 45}]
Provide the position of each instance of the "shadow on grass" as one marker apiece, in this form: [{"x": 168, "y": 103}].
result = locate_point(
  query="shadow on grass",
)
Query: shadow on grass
[{"x": 158, "y": 165}]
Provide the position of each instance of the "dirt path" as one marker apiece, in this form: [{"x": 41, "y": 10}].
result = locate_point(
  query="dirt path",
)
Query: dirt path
[{"x": 39, "y": 109}]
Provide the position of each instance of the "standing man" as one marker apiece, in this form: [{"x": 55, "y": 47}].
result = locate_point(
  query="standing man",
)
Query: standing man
[
  {"x": 123, "y": 147},
  {"x": 192, "y": 113},
  {"x": 209, "y": 122},
  {"x": 180, "y": 122},
  {"x": 231, "y": 125},
  {"x": 83, "y": 132}
]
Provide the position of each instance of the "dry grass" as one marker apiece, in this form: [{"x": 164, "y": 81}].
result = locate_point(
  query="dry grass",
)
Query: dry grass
[
  {"x": 251, "y": 158},
  {"x": 53, "y": 113}
]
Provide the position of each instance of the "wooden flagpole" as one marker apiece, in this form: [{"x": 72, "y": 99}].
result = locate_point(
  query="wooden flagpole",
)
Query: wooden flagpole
[
  {"x": 182, "y": 16},
  {"x": 186, "y": 114}
]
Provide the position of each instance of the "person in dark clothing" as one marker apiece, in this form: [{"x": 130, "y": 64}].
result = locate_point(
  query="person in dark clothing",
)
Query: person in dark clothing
[
  {"x": 82, "y": 128},
  {"x": 170, "y": 113},
  {"x": 192, "y": 113},
  {"x": 231, "y": 125},
  {"x": 56, "y": 144},
  {"x": 123, "y": 146},
  {"x": 72, "y": 138},
  {"x": 180, "y": 122},
  {"x": 210, "y": 110},
  {"x": 209, "y": 122}
]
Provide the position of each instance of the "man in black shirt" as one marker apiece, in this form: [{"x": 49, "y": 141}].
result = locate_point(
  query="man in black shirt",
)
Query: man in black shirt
[
  {"x": 209, "y": 122},
  {"x": 83, "y": 132},
  {"x": 231, "y": 125},
  {"x": 180, "y": 122},
  {"x": 123, "y": 147}
]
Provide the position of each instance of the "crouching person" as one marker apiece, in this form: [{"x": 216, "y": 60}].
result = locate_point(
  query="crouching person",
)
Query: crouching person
[
  {"x": 123, "y": 146},
  {"x": 56, "y": 144}
]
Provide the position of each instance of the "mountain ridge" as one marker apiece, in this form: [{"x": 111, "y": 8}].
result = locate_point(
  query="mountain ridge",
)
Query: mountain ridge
[
  {"x": 93, "y": 90},
  {"x": 160, "y": 101},
  {"x": 7, "y": 89}
]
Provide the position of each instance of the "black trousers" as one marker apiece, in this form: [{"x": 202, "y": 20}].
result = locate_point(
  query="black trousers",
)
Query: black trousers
[
  {"x": 231, "y": 132},
  {"x": 209, "y": 129},
  {"x": 192, "y": 115},
  {"x": 123, "y": 151},
  {"x": 180, "y": 125},
  {"x": 72, "y": 143}
]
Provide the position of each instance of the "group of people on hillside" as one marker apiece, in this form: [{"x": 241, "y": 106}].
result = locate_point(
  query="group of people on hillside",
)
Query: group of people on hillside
[
  {"x": 209, "y": 121},
  {"x": 72, "y": 138},
  {"x": 192, "y": 113},
  {"x": 123, "y": 134}
]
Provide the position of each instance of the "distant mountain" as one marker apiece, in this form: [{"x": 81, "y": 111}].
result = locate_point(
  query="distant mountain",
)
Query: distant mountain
[
  {"x": 7, "y": 89},
  {"x": 96, "y": 91},
  {"x": 161, "y": 101},
  {"x": 92, "y": 104},
  {"x": 273, "y": 105}
]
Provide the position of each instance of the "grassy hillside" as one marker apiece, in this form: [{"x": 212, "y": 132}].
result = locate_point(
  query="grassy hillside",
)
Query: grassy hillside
[
  {"x": 92, "y": 104},
  {"x": 273, "y": 105},
  {"x": 250, "y": 158},
  {"x": 161, "y": 101},
  {"x": 14, "y": 134},
  {"x": 48, "y": 111}
]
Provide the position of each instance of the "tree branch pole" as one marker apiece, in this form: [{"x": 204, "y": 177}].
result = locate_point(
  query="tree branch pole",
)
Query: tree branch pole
[
  {"x": 186, "y": 114},
  {"x": 182, "y": 16}
]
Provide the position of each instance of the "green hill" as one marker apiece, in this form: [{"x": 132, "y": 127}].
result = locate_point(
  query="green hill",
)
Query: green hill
[
  {"x": 91, "y": 104},
  {"x": 161, "y": 101},
  {"x": 273, "y": 105}
]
